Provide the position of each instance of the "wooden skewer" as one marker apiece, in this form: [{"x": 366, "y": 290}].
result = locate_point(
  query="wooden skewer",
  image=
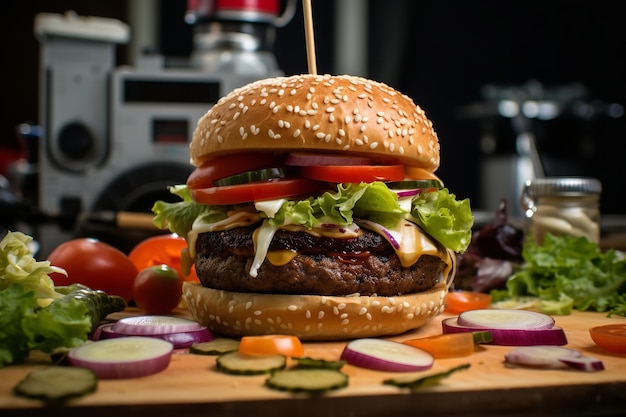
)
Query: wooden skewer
[{"x": 310, "y": 40}]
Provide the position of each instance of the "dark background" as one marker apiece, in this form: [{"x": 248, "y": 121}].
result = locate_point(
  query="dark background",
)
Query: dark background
[{"x": 441, "y": 53}]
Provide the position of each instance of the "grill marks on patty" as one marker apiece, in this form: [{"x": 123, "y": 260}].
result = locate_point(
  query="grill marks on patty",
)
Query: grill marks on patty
[{"x": 366, "y": 265}]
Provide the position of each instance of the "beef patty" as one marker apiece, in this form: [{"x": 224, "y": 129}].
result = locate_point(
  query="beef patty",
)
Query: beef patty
[{"x": 365, "y": 265}]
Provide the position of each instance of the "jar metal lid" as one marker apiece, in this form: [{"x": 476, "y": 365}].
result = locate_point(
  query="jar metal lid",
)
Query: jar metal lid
[{"x": 563, "y": 186}]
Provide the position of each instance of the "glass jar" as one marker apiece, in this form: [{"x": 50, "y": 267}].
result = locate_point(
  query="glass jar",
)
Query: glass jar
[{"x": 562, "y": 206}]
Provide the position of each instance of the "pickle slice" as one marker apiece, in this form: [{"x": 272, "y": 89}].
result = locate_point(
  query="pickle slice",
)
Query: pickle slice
[
  {"x": 252, "y": 176},
  {"x": 414, "y": 184},
  {"x": 307, "y": 380}
]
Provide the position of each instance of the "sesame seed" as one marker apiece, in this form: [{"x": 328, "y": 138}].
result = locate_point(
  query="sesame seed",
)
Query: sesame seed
[
  {"x": 315, "y": 127},
  {"x": 345, "y": 322},
  {"x": 327, "y": 138},
  {"x": 248, "y": 305},
  {"x": 296, "y": 133},
  {"x": 368, "y": 316},
  {"x": 275, "y": 109},
  {"x": 358, "y": 141},
  {"x": 335, "y": 311},
  {"x": 220, "y": 139},
  {"x": 347, "y": 119},
  {"x": 232, "y": 106},
  {"x": 257, "y": 312},
  {"x": 307, "y": 314},
  {"x": 289, "y": 108},
  {"x": 292, "y": 307},
  {"x": 373, "y": 145},
  {"x": 330, "y": 109},
  {"x": 236, "y": 115},
  {"x": 270, "y": 133},
  {"x": 342, "y": 132},
  {"x": 320, "y": 315},
  {"x": 331, "y": 118},
  {"x": 320, "y": 135},
  {"x": 280, "y": 93}
]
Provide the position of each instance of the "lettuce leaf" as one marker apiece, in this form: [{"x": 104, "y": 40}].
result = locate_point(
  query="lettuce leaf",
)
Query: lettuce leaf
[
  {"x": 446, "y": 219},
  {"x": 33, "y": 315},
  {"x": 17, "y": 265},
  {"x": 438, "y": 213},
  {"x": 566, "y": 273}
]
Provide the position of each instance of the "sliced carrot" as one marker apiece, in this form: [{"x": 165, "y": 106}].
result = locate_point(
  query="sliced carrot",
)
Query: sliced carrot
[
  {"x": 271, "y": 345},
  {"x": 449, "y": 345},
  {"x": 460, "y": 301}
]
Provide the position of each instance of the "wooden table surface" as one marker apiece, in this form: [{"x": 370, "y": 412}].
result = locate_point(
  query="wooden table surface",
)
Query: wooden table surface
[{"x": 191, "y": 386}]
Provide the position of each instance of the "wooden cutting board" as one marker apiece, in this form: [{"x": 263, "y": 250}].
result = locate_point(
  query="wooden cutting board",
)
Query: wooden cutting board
[{"x": 192, "y": 386}]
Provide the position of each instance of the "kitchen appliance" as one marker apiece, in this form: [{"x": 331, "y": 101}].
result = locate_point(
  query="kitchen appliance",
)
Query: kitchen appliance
[{"x": 116, "y": 137}]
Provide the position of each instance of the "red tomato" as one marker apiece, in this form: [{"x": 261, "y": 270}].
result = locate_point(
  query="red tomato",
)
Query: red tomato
[
  {"x": 255, "y": 191},
  {"x": 354, "y": 173},
  {"x": 611, "y": 337},
  {"x": 157, "y": 289},
  {"x": 459, "y": 301},
  {"x": 170, "y": 250},
  {"x": 227, "y": 165},
  {"x": 95, "y": 264}
]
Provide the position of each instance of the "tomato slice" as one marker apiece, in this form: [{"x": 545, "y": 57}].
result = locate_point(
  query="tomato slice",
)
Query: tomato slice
[
  {"x": 460, "y": 301},
  {"x": 163, "y": 250},
  {"x": 255, "y": 191},
  {"x": 271, "y": 345},
  {"x": 449, "y": 345},
  {"x": 611, "y": 337},
  {"x": 353, "y": 173},
  {"x": 227, "y": 165}
]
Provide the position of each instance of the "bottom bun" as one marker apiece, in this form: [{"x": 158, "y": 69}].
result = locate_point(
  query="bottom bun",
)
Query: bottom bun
[{"x": 311, "y": 317}]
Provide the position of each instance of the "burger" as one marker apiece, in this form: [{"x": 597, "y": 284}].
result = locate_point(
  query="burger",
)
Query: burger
[{"x": 314, "y": 211}]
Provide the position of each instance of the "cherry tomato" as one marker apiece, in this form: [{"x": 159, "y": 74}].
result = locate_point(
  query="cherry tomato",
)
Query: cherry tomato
[
  {"x": 353, "y": 173},
  {"x": 450, "y": 345},
  {"x": 459, "y": 301},
  {"x": 611, "y": 337},
  {"x": 227, "y": 165},
  {"x": 95, "y": 264},
  {"x": 271, "y": 345},
  {"x": 157, "y": 289},
  {"x": 255, "y": 191},
  {"x": 170, "y": 250}
]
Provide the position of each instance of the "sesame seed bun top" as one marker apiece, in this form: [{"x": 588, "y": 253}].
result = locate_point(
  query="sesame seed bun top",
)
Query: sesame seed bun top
[{"x": 318, "y": 112}]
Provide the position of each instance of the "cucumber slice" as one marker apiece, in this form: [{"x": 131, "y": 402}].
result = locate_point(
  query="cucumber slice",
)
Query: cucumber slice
[
  {"x": 426, "y": 381},
  {"x": 214, "y": 347},
  {"x": 252, "y": 176},
  {"x": 57, "y": 383},
  {"x": 308, "y": 380},
  {"x": 237, "y": 364},
  {"x": 413, "y": 184},
  {"x": 307, "y": 362}
]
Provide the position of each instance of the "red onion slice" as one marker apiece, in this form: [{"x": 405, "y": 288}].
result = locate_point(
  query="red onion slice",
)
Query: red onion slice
[
  {"x": 180, "y": 340},
  {"x": 407, "y": 193},
  {"x": 386, "y": 355},
  {"x": 584, "y": 363},
  {"x": 154, "y": 324},
  {"x": 541, "y": 356},
  {"x": 512, "y": 337},
  {"x": 126, "y": 357},
  {"x": 505, "y": 319},
  {"x": 382, "y": 230},
  {"x": 314, "y": 159}
]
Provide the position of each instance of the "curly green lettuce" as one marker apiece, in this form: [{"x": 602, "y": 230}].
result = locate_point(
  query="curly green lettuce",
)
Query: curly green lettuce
[
  {"x": 566, "y": 273},
  {"x": 33, "y": 315},
  {"x": 438, "y": 213}
]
